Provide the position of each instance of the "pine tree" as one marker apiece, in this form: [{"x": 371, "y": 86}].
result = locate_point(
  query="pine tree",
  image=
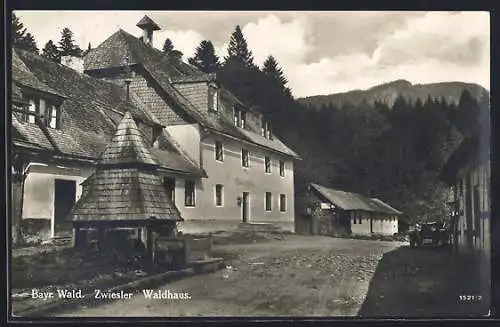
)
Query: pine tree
[
  {"x": 67, "y": 46},
  {"x": 271, "y": 68},
  {"x": 238, "y": 51},
  {"x": 205, "y": 58},
  {"x": 168, "y": 47},
  {"x": 51, "y": 52},
  {"x": 21, "y": 38},
  {"x": 18, "y": 29},
  {"x": 87, "y": 51}
]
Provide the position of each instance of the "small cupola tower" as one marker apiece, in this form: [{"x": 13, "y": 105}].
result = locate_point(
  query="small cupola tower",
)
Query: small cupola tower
[{"x": 148, "y": 26}]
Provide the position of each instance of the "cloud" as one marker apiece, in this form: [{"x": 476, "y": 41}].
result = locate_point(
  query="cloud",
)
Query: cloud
[
  {"x": 436, "y": 47},
  {"x": 320, "y": 52},
  {"x": 184, "y": 41}
]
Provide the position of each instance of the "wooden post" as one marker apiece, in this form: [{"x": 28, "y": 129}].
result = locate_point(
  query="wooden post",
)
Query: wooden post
[
  {"x": 100, "y": 237},
  {"x": 78, "y": 237},
  {"x": 149, "y": 242},
  {"x": 187, "y": 249},
  {"x": 20, "y": 164}
]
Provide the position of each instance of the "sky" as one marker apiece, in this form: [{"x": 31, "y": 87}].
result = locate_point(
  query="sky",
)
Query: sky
[{"x": 321, "y": 52}]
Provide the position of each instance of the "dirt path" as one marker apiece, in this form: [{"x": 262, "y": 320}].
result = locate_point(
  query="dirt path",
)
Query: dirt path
[{"x": 300, "y": 276}]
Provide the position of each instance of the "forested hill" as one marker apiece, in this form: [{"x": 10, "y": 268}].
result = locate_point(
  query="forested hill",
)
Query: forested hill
[{"x": 388, "y": 92}]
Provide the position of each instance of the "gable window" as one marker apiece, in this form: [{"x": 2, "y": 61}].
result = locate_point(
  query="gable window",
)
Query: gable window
[
  {"x": 169, "y": 185},
  {"x": 189, "y": 192},
  {"x": 219, "y": 151},
  {"x": 213, "y": 99},
  {"x": 266, "y": 129},
  {"x": 219, "y": 194},
  {"x": 282, "y": 202},
  {"x": 268, "y": 164},
  {"x": 236, "y": 117},
  {"x": 282, "y": 168},
  {"x": 32, "y": 111},
  {"x": 269, "y": 201},
  {"x": 53, "y": 117},
  {"x": 242, "y": 119},
  {"x": 244, "y": 158}
]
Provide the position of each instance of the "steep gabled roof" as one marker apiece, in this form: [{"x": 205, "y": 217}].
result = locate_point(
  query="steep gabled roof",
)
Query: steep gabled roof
[
  {"x": 353, "y": 201},
  {"x": 23, "y": 76},
  {"x": 126, "y": 185},
  {"x": 167, "y": 71},
  {"x": 91, "y": 110}
]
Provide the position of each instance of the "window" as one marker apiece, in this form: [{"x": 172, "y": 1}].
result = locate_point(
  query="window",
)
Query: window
[
  {"x": 52, "y": 116},
  {"x": 354, "y": 218},
  {"x": 169, "y": 185},
  {"x": 236, "y": 117},
  {"x": 244, "y": 158},
  {"x": 359, "y": 218},
  {"x": 266, "y": 129},
  {"x": 268, "y": 164},
  {"x": 269, "y": 201},
  {"x": 156, "y": 144},
  {"x": 282, "y": 168},
  {"x": 242, "y": 119},
  {"x": 32, "y": 109},
  {"x": 282, "y": 202},
  {"x": 213, "y": 99},
  {"x": 189, "y": 194},
  {"x": 219, "y": 195},
  {"x": 219, "y": 151}
]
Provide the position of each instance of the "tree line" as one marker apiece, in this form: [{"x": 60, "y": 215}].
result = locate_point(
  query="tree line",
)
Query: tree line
[{"x": 394, "y": 153}]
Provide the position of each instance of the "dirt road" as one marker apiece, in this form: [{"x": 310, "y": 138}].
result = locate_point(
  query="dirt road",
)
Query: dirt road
[{"x": 299, "y": 276}]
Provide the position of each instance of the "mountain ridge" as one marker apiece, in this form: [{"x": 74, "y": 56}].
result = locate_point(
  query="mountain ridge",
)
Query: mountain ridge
[{"x": 389, "y": 91}]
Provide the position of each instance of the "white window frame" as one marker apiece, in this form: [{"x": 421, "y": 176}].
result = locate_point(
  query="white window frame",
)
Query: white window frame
[
  {"x": 221, "y": 195},
  {"x": 193, "y": 197},
  {"x": 217, "y": 152},
  {"x": 267, "y": 164},
  {"x": 270, "y": 202},
  {"x": 245, "y": 154},
  {"x": 283, "y": 203}
]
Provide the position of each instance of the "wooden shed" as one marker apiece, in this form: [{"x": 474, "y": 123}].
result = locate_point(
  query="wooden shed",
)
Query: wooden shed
[
  {"x": 325, "y": 211},
  {"x": 125, "y": 192}
]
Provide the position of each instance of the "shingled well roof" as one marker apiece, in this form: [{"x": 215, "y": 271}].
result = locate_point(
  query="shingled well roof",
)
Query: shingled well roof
[{"x": 126, "y": 185}]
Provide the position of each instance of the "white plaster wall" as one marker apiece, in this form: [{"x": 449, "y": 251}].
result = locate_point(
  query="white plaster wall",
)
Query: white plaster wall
[
  {"x": 188, "y": 137},
  {"x": 236, "y": 180},
  {"x": 381, "y": 225},
  {"x": 38, "y": 201}
]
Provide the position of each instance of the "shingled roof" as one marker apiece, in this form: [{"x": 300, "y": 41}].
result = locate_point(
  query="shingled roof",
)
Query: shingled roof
[
  {"x": 90, "y": 112},
  {"x": 126, "y": 185},
  {"x": 352, "y": 201},
  {"x": 148, "y": 22},
  {"x": 166, "y": 72}
]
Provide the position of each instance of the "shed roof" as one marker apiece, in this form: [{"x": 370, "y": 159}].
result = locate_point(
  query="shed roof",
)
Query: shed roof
[
  {"x": 353, "y": 201},
  {"x": 125, "y": 185}
]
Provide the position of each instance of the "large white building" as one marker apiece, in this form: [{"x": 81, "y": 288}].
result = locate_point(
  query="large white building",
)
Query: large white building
[{"x": 221, "y": 163}]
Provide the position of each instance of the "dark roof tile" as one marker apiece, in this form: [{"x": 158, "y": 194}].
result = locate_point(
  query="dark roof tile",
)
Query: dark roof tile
[{"x": 353, "y": 201}]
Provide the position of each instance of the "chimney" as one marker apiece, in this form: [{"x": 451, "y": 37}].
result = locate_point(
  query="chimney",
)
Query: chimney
[
  {"x": 75, "y": 63},
  {"x": 148, "y": 27}
]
